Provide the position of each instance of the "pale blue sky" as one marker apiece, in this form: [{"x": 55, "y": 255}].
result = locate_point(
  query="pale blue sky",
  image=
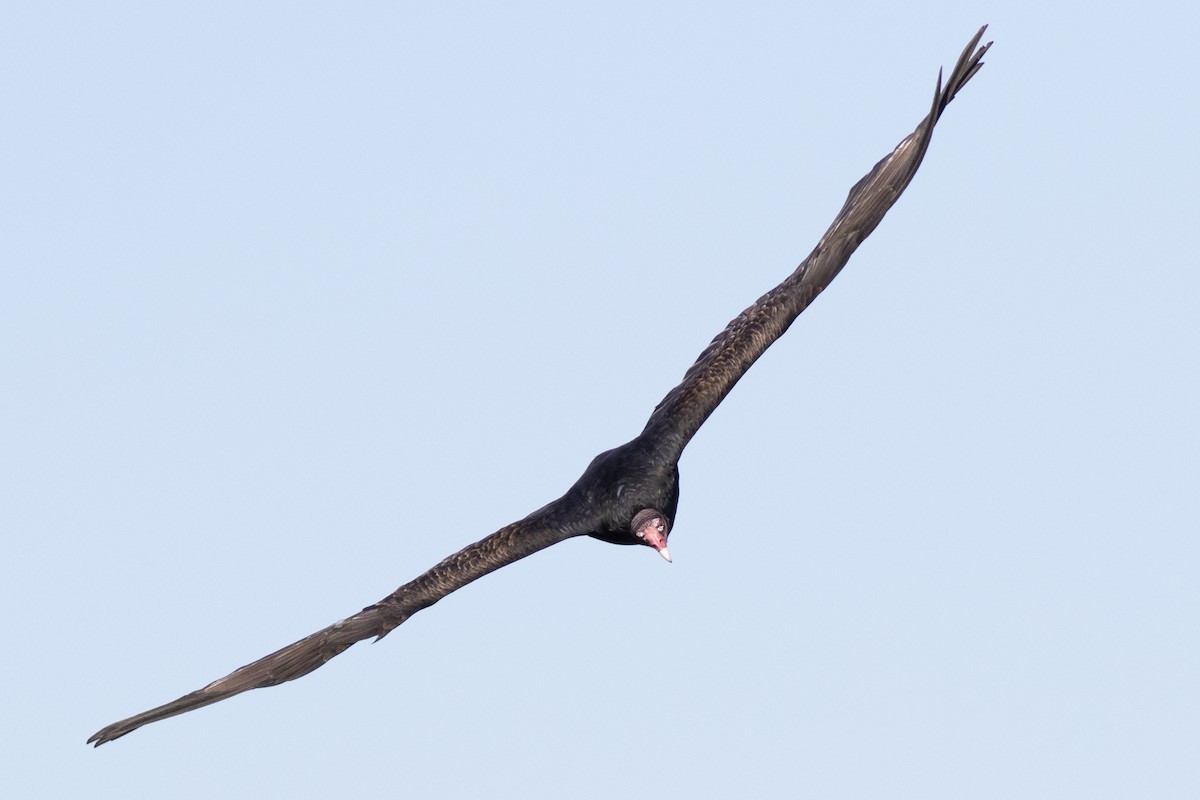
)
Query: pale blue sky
[{"x": 298, "y": 300}]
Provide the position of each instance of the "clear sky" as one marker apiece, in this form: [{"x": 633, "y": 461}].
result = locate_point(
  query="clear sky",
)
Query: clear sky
[{"x": 297, "y": 299}]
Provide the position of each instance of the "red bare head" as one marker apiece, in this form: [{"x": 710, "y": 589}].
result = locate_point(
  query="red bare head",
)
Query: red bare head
[{"x": 652, "y": 527}]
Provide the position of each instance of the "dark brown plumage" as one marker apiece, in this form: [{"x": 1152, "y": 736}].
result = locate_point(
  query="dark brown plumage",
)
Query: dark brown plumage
[{"x": 627, "y": 495}]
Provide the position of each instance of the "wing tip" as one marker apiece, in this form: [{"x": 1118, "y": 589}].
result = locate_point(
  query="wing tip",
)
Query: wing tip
[
  {"x": 969, "y": 62},
  {"x": 107, "y": 734}
]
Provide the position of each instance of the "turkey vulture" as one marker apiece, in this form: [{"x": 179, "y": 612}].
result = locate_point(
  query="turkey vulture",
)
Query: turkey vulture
[{"x": 627, "y": 495}]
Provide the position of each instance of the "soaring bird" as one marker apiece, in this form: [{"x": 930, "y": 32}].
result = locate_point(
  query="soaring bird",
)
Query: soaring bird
[{"x": 627, "y": 495}]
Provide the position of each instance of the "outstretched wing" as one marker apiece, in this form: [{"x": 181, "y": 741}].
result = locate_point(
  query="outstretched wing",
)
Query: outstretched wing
[
  {"x": 536, "y": 532},
  {"x": 685, "y": 408}
]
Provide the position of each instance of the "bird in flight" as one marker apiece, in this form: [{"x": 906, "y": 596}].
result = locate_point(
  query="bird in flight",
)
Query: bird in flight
[{"x": 627, "y": 495}]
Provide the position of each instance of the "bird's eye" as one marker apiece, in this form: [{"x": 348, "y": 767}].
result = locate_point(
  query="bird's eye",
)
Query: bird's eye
[{"x": 660, "y": 527}]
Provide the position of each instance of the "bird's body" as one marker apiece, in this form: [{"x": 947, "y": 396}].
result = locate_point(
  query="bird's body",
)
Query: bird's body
[
  {"x": 627, "y": 495},
  {"x": 621, "y": 482}
]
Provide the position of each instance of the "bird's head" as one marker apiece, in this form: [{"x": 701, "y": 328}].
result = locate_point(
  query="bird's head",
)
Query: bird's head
[{"x": 652, "y": 527}]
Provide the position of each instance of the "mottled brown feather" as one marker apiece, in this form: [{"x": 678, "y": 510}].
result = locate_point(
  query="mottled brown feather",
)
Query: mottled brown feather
[
  {"x": 509, "y": 544},
  {"x": 706, "y": 383}
]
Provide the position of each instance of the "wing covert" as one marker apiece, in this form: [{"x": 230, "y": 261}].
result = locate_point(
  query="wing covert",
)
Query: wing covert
[
  {"x": 511, "y": 543},
  {"x": 706, "y": 383}
]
